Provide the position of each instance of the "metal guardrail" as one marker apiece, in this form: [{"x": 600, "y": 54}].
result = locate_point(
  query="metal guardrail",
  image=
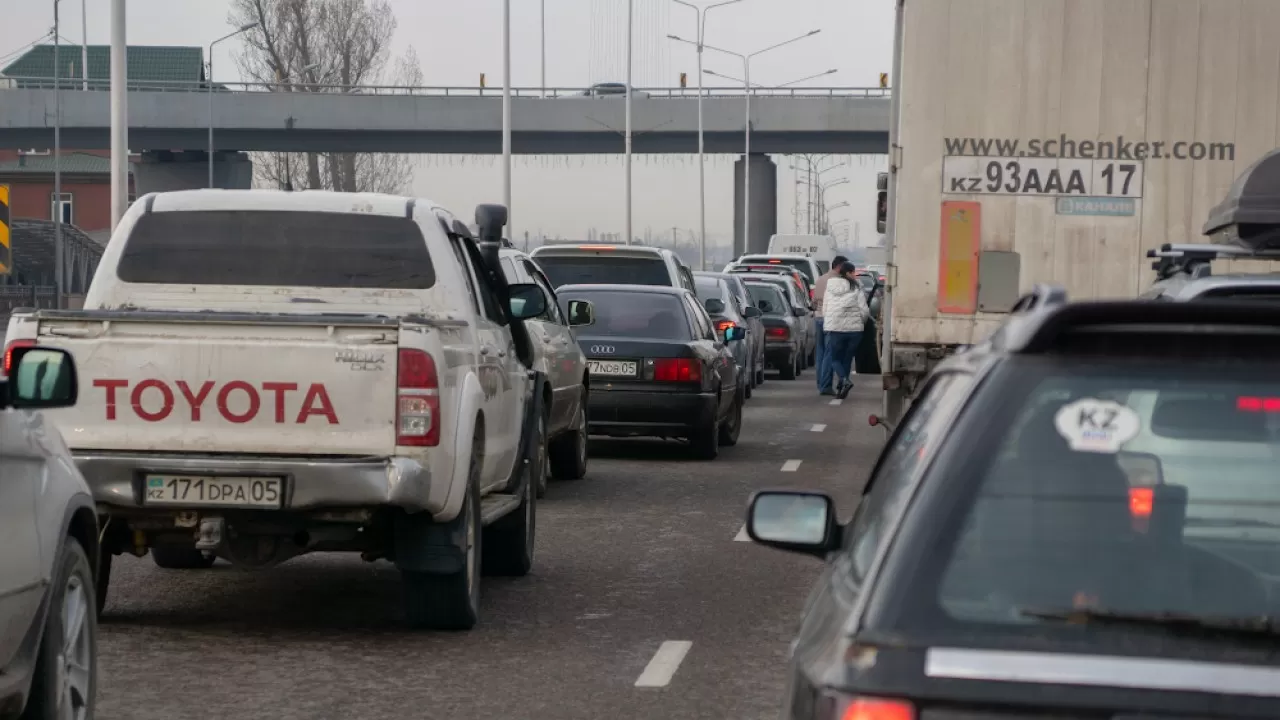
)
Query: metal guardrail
[{"x": 405, "y": 90}]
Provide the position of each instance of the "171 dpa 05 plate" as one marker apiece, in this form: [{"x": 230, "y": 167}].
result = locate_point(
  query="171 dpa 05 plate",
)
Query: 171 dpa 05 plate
[{"x": 213, "y": 491}]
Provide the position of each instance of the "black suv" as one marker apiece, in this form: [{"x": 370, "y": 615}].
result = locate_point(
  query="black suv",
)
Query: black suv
[{"x": 1077, "y": 519}]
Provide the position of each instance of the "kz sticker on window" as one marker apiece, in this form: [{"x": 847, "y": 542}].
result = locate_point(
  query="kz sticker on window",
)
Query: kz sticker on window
[{"x": 1098, "y": 426}]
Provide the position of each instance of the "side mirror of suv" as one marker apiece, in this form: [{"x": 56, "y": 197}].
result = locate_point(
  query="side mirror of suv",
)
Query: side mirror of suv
[
  {"x": 751, "y": 312},
  {"x": 581, "y": 313},
  {"x": 41, "y": 377},
  {"x": 799, "y": 312},
  {"x": 527, "y": 301}
]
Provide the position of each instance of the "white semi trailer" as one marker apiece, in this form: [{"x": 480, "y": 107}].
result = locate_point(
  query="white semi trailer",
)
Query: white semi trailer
[{"x": 1056, "y": 141}]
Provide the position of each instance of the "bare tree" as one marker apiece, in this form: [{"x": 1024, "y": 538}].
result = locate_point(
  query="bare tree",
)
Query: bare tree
[{"x": 325, "y": 46}]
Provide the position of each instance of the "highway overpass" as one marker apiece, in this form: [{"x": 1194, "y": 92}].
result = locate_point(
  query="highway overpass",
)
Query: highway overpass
[{"x": 451, "y": 120}]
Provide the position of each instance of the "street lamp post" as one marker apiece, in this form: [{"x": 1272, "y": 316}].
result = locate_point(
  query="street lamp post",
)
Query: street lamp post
[
  {"x": 506, "y": 110},
  {"x": 119, "y": 115},
  {"x": 746, "y": 86},
  {"x": 84, "y": 46},
  {"x": 758, "y": 86},
  {"x": 811, "y": 196},
  {"x": 282, "y": 159},
  {"x": 630, "y": 92},
  {"x": 702, "y": 169},
  {"x": 209, "y": 86},
  {"x": 542, "y": 43},
  {"x": 58, "y": 249}
]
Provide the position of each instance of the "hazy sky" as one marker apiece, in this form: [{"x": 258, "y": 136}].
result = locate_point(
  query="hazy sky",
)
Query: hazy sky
[{"x": 585, "y": 40}]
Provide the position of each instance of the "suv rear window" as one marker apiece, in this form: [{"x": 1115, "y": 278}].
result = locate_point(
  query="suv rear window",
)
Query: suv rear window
[
  {"x": 604, "y": 270},
  {"x": 802, "y": 265},
  {"x": 769, "y": 294},
  {"x": 272, "y": 247},
  {"x": 649, "y": 315},
  {"x": 1067, "y": 511}
]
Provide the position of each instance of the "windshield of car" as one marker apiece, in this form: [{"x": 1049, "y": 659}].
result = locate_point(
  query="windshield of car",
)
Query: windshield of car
[
  {"x": 1123, "y": 488},
  {"x": 619, "y": 313},
  {"x": 769, "y": 294},
  {"x": 280, "y": 248},
  {"x": 604, "y": 269},
  {"x": 800, "y": 264},
  {"x": 711, "y": 289}
]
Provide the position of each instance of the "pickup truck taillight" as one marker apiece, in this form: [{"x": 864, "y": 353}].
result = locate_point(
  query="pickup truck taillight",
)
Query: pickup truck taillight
[
  {"x": 417, "y": 400},
  {"x": 8, "y": 352}
]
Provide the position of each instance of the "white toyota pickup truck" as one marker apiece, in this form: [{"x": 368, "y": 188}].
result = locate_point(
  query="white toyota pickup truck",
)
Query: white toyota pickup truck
[{"x": 266, "y": 374}]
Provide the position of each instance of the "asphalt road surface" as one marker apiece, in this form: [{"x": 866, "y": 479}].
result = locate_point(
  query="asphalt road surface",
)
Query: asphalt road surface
[{"x": 645, "y": 601}]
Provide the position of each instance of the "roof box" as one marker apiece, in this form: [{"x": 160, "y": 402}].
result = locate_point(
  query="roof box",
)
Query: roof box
[{"x": 1250, "y": 214}]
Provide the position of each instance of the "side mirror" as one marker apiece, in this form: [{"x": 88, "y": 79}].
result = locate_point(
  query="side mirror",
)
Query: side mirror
[
  {"x": 581, "y": 313},
  {"x": 799, "y": 312},
  {"x": 795, "y": 521},
  {"x": 526, "y": 301},
  {"x": 733, "y": 333},
  {"x": 42, "y": 377},
  {"x": 751, "y": 312},
  {"x": 714, "y": 306}
]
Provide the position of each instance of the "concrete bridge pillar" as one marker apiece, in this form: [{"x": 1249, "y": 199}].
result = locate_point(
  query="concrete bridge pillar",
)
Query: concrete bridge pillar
[
  {"x": 162, "y": 171},
  {"x": 764, "y": 204}
]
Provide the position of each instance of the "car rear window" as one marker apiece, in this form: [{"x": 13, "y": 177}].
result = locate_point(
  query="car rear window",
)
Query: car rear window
[
  {"x": 604, "y": 270},
  {"x": 1122, "y": 488},
  {"x": 648, "y": 315},
  {"x": 711, "y": 289},
  {"x": 770, "y": 294},
  {"x": 802, "y": 265},
  {"x": 269, "y": 247}
]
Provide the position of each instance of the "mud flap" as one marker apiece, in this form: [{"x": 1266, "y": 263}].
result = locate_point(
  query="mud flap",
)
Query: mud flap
[{"x": 533, "y": 410}]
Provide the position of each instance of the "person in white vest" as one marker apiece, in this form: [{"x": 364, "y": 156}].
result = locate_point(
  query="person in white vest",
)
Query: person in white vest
[{"x": 844, "y": 311}]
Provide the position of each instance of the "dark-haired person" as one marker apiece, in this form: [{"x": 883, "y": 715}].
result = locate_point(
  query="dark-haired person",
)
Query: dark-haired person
[
  {"x": 845, "y": 313},
  {"x": 821, "y": 357}
]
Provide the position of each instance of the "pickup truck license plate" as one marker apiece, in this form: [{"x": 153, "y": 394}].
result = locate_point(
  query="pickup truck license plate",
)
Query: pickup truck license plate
[
  {"x": 621, "y": 368},
  {"x": 197, "y": 490}
]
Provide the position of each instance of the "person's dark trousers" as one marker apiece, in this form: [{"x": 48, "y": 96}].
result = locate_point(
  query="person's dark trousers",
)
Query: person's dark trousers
[
  {"x": 823, "y": 361},
  {"x": 841, "y": 347}
]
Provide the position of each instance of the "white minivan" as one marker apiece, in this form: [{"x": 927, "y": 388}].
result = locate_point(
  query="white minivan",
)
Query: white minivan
[{"x": 822, "y": 248}]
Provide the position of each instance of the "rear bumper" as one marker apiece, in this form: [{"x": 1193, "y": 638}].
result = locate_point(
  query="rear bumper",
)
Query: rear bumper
[
  {"x": 668, "y": 414},
  {"x": 116, "y": 479},
  {"x": 779, "y": 355}
]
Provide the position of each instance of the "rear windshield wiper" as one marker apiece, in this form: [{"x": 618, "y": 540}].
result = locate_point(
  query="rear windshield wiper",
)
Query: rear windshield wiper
[{"x": 1262, "y": 626}]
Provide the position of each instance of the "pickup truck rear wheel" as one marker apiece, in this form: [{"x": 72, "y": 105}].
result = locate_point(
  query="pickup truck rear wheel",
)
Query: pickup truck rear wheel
[
  {"x": 508, "y": 542},
  {"x": 451, "y": 601},
  {"x": 568, "y": 453},
  {"x": 172, "y": 557}
]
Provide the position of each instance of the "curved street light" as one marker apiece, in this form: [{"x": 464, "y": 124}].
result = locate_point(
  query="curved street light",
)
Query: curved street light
[
  {"x": 832, "y": 71},
  {"x": 746, "y": 86},
  {"x": 208, "y": 81}
]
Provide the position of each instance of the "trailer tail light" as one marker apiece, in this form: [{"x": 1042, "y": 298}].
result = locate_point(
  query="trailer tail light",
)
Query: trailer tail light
[
  {"x": 777, "y": 333},
  {"x": 8, "y": 353},
  {"x": 677, "y": 370},
  {"x": 417, "y": 400}
]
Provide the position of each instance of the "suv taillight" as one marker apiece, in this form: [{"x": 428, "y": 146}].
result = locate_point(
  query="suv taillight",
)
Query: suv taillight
[
  {"x": 8, "y": 352},
  {"x": 417, "y": 400},
  {"x": 677, "y": 370}
]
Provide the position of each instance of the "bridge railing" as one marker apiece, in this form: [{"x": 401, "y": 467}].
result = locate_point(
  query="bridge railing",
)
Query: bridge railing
[{"x": 431, "y": 91}]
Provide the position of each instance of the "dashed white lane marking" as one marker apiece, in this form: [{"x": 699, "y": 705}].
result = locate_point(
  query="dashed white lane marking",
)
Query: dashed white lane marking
[
  {"x": 665, "y": 662},
  {"x": 742, "y": 535},
  {"x": 837, "y": 401},
  {"x": 791, "y": 466},
  {"x": 818, "y": 428}
]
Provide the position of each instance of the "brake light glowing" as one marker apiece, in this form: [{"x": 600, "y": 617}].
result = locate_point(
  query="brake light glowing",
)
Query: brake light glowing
[
  {"x": 596, "y": 247},
  {"x": 677, "y": 370},
  {"x": 1142, "y": 501},
  {"x": 877, "y": 709},
  {"x": 775, "y": 262},
  {"x": 417, "y": 400},
  {"x": 8, "y": 353},
  {"x": 1243, "y": 403},
  {"x": 723, "y": 325},
  {"x": 777, "y": 333}
]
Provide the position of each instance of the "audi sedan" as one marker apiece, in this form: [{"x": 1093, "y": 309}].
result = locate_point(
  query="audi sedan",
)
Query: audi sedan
[{"x": 658, "y": 367}]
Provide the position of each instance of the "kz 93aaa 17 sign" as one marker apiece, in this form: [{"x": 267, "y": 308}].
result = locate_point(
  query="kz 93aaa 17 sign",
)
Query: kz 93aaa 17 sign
[{"x": 1041, "y": 177}]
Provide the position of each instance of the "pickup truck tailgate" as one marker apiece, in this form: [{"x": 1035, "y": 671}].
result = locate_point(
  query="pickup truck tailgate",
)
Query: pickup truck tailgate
[{"x": 301, "y": 386}]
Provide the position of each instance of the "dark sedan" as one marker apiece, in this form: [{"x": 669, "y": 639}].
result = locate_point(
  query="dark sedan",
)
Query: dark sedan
[
  {"x": 783, "y": 338},
  {"x": 657, "y": 366}
]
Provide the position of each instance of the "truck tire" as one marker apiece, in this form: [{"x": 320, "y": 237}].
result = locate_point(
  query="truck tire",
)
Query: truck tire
[
  {"x": 729, "y": 431},
  {"x": 434, "y": 601},
  {"x": 568, "y": 453},
  {"x": 72, "y": 587},
  {"x": 789, "y": 372},
  {"x": 173, "y": 557},
  {"x": 704, "y": 443},
  {"x": 508, "y": 542}
]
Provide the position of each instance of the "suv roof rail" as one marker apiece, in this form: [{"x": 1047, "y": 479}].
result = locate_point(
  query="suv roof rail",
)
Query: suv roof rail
[
  {"x": 1041, "y": 295},
  {"x": 1042, "y": 332},
  {"x": 1193, "y": 259}
]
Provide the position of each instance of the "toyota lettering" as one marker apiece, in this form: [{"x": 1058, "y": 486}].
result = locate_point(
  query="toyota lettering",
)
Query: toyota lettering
[{"x": 237, "y": 401}]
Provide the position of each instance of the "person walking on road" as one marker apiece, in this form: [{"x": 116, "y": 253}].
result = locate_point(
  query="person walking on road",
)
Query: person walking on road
[
  {"x": 823, "y": 358},
  {"x": 845, "y": 313}
]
